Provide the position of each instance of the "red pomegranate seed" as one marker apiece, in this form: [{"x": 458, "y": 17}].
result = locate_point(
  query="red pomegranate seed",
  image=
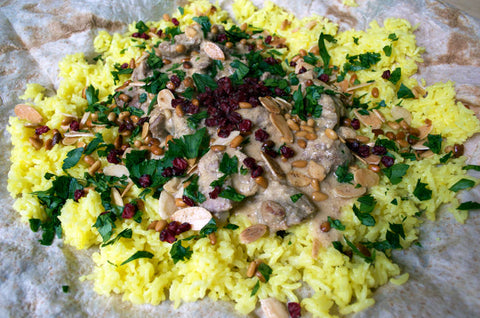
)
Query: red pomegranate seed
[
  {"x": 268, "y": 39},
  {"x": 175, "y": 21},
  {"x": 245, "y": 126},
  {"x": 128, "y": 211},
  {"x": 188, "y": 201},
  {"x": 75, "y": 125},
  {"x": 41, "y": 130},
  {"x": 180, "y": 163},
  {"x": 167, "y": 236},
  {"x": 250, "y": 163},
  {"x": 324, "y": 77},
  {"x": 257, "y": 172},
  {"x": 261, "y": 135},
  {"x": 355, "y": 124},
  {"x": 294, "y": 310},
  {"x": 214, "y": 194},
  {"x": 287, "y": 152},
  {"x": 386, "y": 75},
  {"x": 388, "y": 161},
  {"x": 78, "y": 194},
  {"x": 145, "y": 181}
]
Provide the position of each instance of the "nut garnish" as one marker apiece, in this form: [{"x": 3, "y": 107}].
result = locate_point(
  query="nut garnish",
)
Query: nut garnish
[
  {"x": 348, "y": 191},
  {"x": 281, "y": 124},
  {"x": 298, "y": 179},
  {"x": 198, "y": 217},
  {"x": 28, "y": 113},
  {"x": 270, "y": 104},
  {"x": 253, "y": 233},
  {"x": 366, "y": 177},
  {"x": 213, "y": 51}
]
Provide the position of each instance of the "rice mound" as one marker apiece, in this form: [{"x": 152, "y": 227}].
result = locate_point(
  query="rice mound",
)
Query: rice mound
[{"x": 337, "y": 282}]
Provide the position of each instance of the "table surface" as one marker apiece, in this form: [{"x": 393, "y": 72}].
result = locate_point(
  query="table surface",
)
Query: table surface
[{"x": 472, "y": 7}]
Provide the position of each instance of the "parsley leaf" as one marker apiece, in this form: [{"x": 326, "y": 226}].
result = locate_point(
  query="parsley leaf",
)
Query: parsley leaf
[
  {"x": 141, "y": 27},
  {"x": 255, "y": 289},
  {"x": 180, "y": 253},
  {"x": 154, "y": 61},
  {"x": 462, "y": 184},
  {"x": 323, "y": 49},
  {"x": 241, "y": 69},
  {"x": 388, "y": 50},
  {"x": 404, "y": 92},
  {"x": 73, "y": 157},
  {"x": 204, "y": 22},
  {"x": 265, "y": 270},
  {"x": 343, "y": 176},
  {"x": 94, "y": 144},
  {"x": 120, "y": 71},
  {"x": 336, "y": 224},
  {"x": 195, "y": 119},
  {"x": 367, "y": 258},
  {"x": 127, "y": 233},
  {"x": 361, "y": 62},
  {"x": 202, "y": 81},
  {"x": 137, "y": 255},
  {"x": 434, "y": 142},
  {"x": 229, "y": 165},
  {"x": 469, "y": 205},
  {"x": 364, "y": 218},
  {"x": 396, "y": 172},
  {"x": 209, "y": 228},
  {"x": 471, "y": 167},
  {"x": 91, "y": 95},
  {"x": 387, "y": 143},
  {"x": 192, "y": 192},
  {"x": 396, "y": 75},
  {"x": 422, "y": 192},
  {"x": 231, "y": 194},
  {"x": 231, "y": 226},
  {"x": 393, "y": 37},
  {"x": 105, "y": 224},
  {"x": 296, "y": 197},
  {"x": 445, "y": 158}
]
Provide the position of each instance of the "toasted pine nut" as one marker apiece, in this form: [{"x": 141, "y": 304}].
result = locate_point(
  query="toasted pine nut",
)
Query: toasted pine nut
[
  {"x": 132, "y": 63},
  {"x": 393, "y": 125},
  {"x": 137, "y": 144},
  {"x": 293, "y": 126},
  {"x": 152, "y": 225},
  {"x": 156, "y": 150},
  {"x": 403, "y": 143},
  {"x": 123, "y": 115},
  {"x": 260, "y": 276},
  {"x": 353, "y": 78},
  {"x": 302, "y": 143},
  {"x": 299, "y": 163},
  {"x": 375, "y": 92},
  {"x": 261, "y": 181},
  {"x": 144, "y": 147},
  {"x": 311, "y": 122},
  {"x": 218, "y": 148},
  {"x": 94, "y": 167},
  {"x": 126, "y": 133},
  {"x": 301, "y": 134},
  {"x": 179, "y": 111},
  {"x": 161, "y": 224},
  {"x": 374, "y": 168},
  {"x": 111, "y": 116},
  {"x": 134, "y": 119},
  {"x": 315, "y": 183},
  {"x": 302, "y": 52},
  {"x": 307, "y": 128},
  {"x": 167, "y": 139},
  {"x": 145, "y": 130},
  {"x": 330, "y": 133},
  {"x": 179, "y": 203},
  {"x": 89, "y": 159},
  {"x": 252, "y": 267},
  {"x": 212, "y": 238},
  {"x": 166, "y": 17},
  {"x": 84, "y": 92},
  {"x": 118, "y": 142},
  {"x": 404, "y": 124},
  {"x": 35, "y": 142},
  {"x": 124, "y": 98},
  {"x": 49, "y": 144},
  {"x": 67, "y": 120},
  {"x": 244, "y": 105},
  {"x": 319, "y": 196},
  {"x": 311, "y": 136},
  {"x": 237, "y": 141},
  {"x": 363, "y": 139}
]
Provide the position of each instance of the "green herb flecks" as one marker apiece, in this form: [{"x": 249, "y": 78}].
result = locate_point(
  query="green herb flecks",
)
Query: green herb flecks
[
  {"x": 422, "y": 192},
  {"x": 462, "y": 185},
  {"x": 343, "y": 175},
  {"x": 137, "y": 255},
  {"x": 296, "y": 197}
]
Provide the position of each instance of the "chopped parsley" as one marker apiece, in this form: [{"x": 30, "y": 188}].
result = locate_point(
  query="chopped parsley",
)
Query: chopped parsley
[
  {"x": 192, "y": 192},
  {"x": 422, "y": 192},
  {"x": 296, "y": 197},
  {"x": 141, "y": 27},
  {"x": 204, "y": 22},
  {"x": 202, "y": 81},
  {"x": 395, "y": 75},
  {"x": 469, "y": 205},
  {"x": 336, "y": 224},
  {"x": 228, "y": 165},
  {"x": 396, "y": 172},
  {"x": 231, "y": 226},
  {"x": 446, "y": 157},
  {"x": 471, "y": 167},
  {"x": 343, "y": 175},
  {"x": 120, "y": 71},
  {"x": 323, "y": 49},
  {"x": 388, "y": 50},
  {"x": 434, "y": 142},
  {"x": 137, "y": 255},
  {"x": 231, "y": 194},
  {"x": 195, "y": 119},
  {"x": 404, "y": 92},
  {"x": 73, "y": 157},
  {"x": 462, "y": 185},
  {"x": 127, "y": 233}
]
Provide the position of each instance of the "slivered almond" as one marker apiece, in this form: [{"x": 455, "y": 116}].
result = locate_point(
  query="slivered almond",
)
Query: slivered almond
[
  {"x": 372, "y": 160},
  {"x": 273, "y": 166},
  {"x": 281, "y": 124},
  {"x": 127, "y": 188},
  {"x": 371, "y": 120},
  {"x": 316, "y": 170},
  {"x": 67, "y": 141},
  {"x": 166, "y": 205},
  {"x": 84, "y": 119},
  {"x": 253, "y": 233},
  {"x": 28, "y": 113},
  {"x": 424, "y": 131},
  {"x": 116, "y": 197},
  {"x": 75, "y": 134},
  {"x": 420, "y": 146},
  {"x": 116, "y": 171},
  {"x": 348, "y": 191},
  {"x": 366, "y": 177},
  {"x": 401, "y": 113},
  {"x": 197, "y": 216},
  {"x": 284, "y": 105},
  {"x": 298, "y": 179},
  {"x": 270, "y": 104},
  {"x": 213, "y": 51},
  {"x": 379, "y": 115},
  {"x": 359, "y": 86},
  {"x": 272, "y": 308}
]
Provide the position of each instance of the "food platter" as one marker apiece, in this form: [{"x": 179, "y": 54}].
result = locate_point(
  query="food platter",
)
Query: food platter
[{"x": 436, "y": 275}]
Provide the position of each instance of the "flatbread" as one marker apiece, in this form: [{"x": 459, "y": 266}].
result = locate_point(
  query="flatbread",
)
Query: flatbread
[{"x": 444, "y": 275}]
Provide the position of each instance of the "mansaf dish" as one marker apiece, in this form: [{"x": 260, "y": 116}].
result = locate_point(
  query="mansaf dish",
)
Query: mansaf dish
[{"x": 274, "y": 163}]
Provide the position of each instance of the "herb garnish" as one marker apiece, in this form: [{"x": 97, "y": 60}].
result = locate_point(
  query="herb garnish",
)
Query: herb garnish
[
  {"x": 296, "y": 197},
  {"x": 404, "y": 92},
  {"x": 434, "y": 142},
  {"x": 469, "y": 205},
  {"x": 204, "y": 22},
  {"x": 396, "y": 172},
  {"x": 137, "y": 255},
  {"x": 462, "y": 184},
  {"x": 336, "y": 224},
  {"x": 343, "y": 175},
  {"x": 127, "y": 233},
  {"x": 422, "y": 192}
]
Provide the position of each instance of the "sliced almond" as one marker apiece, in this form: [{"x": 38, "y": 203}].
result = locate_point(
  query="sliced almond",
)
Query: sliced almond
[
  {"x": 75, "y": 134},
  {"x": 172, "y": 185},
  {"x": 273, "y": 166},
  {"x": 316, "y": 170},
  {"x": 197, "y": 216},
  {"x": 281, "y": 124},
  {"x": 424, "y": 131},
  {"x": 116, "y": 171},
  {"x": 164, "y": 98},
  {"x": 84, "y": 119},
  {"x": 270, "y": 104},
  {"x": 298, "y": 179},
  {"x": 366, "y": 177},
  {"x": 379, "y": 115},
  {"x": 359, "y": 86},
  {"x": 213, "y": 51},
  {"x": 272, "y": 308},
  {"x": 284, "y": 105},
  {"x": 253, "y": 233},
  {"x": 401, "y": 113},
  {"x": 348, "y": 191},
  {"x": 28, "y": 113},
  {"x": 116, "y": 197},
  {"x": 67, "y": 141},
  {"x": 426, "y": 154},
  {"x": 420, "y": 146},
  {"x": 190, "y": 31},
  {"x": 127, "y": 188},
  {"x": 371, "y": 119},
  {"x": 373, "y": 160},
  {"x": 166, "y": 205}
]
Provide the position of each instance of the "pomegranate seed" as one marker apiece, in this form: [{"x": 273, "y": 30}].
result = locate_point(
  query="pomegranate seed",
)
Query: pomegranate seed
[
  {"x": 257, "y": 172},
  {"x": 145, "y": 181},
  {"x": 302, "y": 70},
  {"x": 175, "y": 80},
  {"x": 355, "y": 124},
  {"x": 172, "y": 226},
  {"x": 177, "y": 172},
  {"x": 175, "y": 21},
  {"x": 245, "y": 126},
  {"x": 388, "y": 161},
  {"x": 261, "y": 135},
  {"x": 167, "y": 236},
  {"x": 214, "y": 194},
  {"x": 268, "y": 39},
  {"x": 184, "y": 227},
  {"x": 167, "y": 172},
  {"x": 222, "y": 37},
  {"x": 128, "y": 211},
  {"x": 160, "y": 32},
  {"x": 180, "y": 163},
  {"x": 324, "y": 77},
  {"x": 294, "y": 310},
  {"x": 112, "y": 157},
  {"x": 41, "y": 130},
  {"x": 287, "y": 152},
  {"x": 75, "y": 125},
  {"x": 379, "y": 150},
  {"x": 386, "y": 75},
  {"x": 250, "y": 163},
  {"x": 124, "y": 65},
  {"x": 363, "y": 151},
  {"x": 353, "y": 144},
  {"x": 188, "y": 201},
  {"x": 293, "y": 64},
  {"x": 78, "y": 194}
]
